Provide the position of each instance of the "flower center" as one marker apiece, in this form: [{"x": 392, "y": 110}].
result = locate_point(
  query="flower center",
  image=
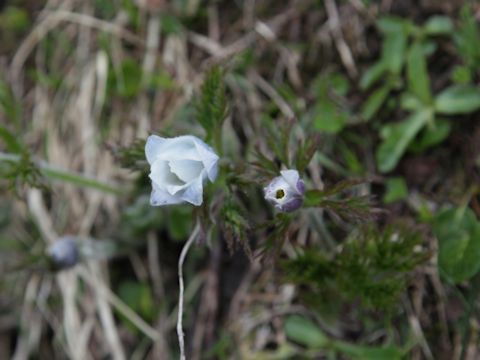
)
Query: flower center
[{"x": 279, "y": 194}]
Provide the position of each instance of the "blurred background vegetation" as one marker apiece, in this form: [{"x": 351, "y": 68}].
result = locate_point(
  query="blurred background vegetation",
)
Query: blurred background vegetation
[{"x": 375, "y": 102}]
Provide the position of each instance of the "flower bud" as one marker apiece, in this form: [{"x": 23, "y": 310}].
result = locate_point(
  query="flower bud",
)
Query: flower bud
[
  {"x": 286, "y": 191},
  {"x": 63, "y": 254}
]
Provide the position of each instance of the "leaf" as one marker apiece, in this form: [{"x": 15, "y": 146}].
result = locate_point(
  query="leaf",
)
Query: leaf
[
  {"x": 12, "y": 143},
  {"x": 432, "y": 135},
  {"x": 211, "y": 104},
  {"x": 361, "y": 352},
  {"x": 458, "y": 99},
  {"x": 393, "y": 52},
  {"x": 375, "y": 101},
  {"x": 372, "y": 75},
  {"x": 438, "y": 25},
  {"x": 417, "y": 74},
  {"x": 329, "y": 117},
  {"x": 397, "y": 137},
  {"x": 305, "y": 332},
  {"x": 391, "y": 24},
  {"x": 458, "y": 234},
  {"x": 396, "y": 190}
]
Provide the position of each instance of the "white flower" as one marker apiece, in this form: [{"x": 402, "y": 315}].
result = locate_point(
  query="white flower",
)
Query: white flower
[
  {"x": 286, "y": 191},
  {"x": 178, "y": 169}
]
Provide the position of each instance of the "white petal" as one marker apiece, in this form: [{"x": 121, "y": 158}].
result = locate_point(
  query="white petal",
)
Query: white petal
[
  {"x": 186, "y": 170},
  {"x": 160, "y": 197},
  {"x": 291, "y": 177},
  {"x": 179, "y": 148},
  {"x": 208, "y": 157},
  {"x": 194, "y": 192},
  {"x": 152, "y": 147},
  {"x": 162, "y": 176}
]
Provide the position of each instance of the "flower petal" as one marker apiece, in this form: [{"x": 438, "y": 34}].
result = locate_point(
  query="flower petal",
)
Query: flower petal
[
  {"x": 194, "y": 192},
  {"x": 291, "y": 177},
  {"x": 152, "y": 147},
  {"x": 162, "y": 176},
  {"x": 186, "y": 170},
  {"x": 208, "y": 157},
  {"x": 160, "y": 197}
]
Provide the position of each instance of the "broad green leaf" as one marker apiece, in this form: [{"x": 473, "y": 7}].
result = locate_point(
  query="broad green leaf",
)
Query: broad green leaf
[
  {"x": 397, "y": 137},
  {"x": 391, "y": 24},
  {"x": 458, "y": 234},
  {"x": 417, "y": 73},
  {"x": 410, "y": 102},
  {"x": 396, "y": 190},
  {"x": 372, "y": 75},
  {"x": 432, "y": 135},
  {"x": 329, "y": 117},
  {"x": 438, "y": 25},
  {"x": 458, "y": 99},
  {"x": 375, "y": 101},
  {"x": 393, "y": 53},
  {"x": 361, "y": 352},
  {"x": 305, "y": 332}
]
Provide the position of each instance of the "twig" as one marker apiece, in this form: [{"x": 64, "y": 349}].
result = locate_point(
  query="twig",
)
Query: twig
[
  {"x": 183, "y": 255},
  {"x": 342, "y": 47}
]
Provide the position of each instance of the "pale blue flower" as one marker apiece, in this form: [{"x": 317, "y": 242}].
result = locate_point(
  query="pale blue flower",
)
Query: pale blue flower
[
  {"x": 286, "y": 191},
  {"x": 179, "y": 168}
]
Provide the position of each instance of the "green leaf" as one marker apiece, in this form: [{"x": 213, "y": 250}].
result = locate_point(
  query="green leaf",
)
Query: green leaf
[
  {"x": 360, "y": 352},
  {"x": 305, "y": 332},
  {"x": 11, "y": 142},
  {"x": 417, "y": 73},
  {"x": 432, "y": 135},
  {"x": 393, "y": 52},
  {"x": 375, "y": 101},
  {"x": 461, "y": 75},
  {"x": 458, "y": 99},
  {"x": 372, "y": 75},
  {"x": 396, "y": 190},
  {"x": 329, "y": 117},
  {"x": 438, "y": 25},
  {"x": 211, "y": 105},
  {"x": 458, "y": 234},
  {"x": 392, "y": 24},
  {"x": 397, "y": 137}
]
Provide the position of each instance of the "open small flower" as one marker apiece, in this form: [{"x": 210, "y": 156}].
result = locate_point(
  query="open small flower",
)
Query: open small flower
[
  {"x": 286, "y": 191},
  {"x": 178, "y": 169},
  {"x": 63, "y": 253}
]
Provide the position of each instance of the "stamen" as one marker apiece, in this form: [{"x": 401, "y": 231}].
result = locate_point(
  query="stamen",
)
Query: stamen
[{"x": 279, "y": 194}]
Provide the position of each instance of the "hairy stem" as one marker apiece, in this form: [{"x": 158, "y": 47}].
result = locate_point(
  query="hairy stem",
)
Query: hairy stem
[{"x": 181, "y": 260}]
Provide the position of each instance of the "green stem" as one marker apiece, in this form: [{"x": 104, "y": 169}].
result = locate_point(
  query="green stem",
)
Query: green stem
[{"x": 66, "y": 176}]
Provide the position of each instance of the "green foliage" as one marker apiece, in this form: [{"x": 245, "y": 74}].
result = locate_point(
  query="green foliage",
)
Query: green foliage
[
  {"x": 350, "y": 207},
  {"x": 458, "y": 234},
  {"x": 14, "y": 19},
  {"x": 306, "y": 333},
  {"x": 133, "y": 156},
  {"x": 372, "y": 266},
  {"x": 417, "y": 42},
  {"x": 396, "y": 189},
  {"x": 211, "y": 105},
  {"x": 236, "y": 226},
  {"x": 460, "y": 99},
  {"x": 467, "y": 39},
  {"x": 139, "y": 298},
  {"x": 328, "y": 114},
  {"x": 396, "y": 138}
]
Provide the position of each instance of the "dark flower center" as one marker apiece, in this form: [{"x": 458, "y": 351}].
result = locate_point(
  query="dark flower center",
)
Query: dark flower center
[{"x": 279, "y": 194}]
